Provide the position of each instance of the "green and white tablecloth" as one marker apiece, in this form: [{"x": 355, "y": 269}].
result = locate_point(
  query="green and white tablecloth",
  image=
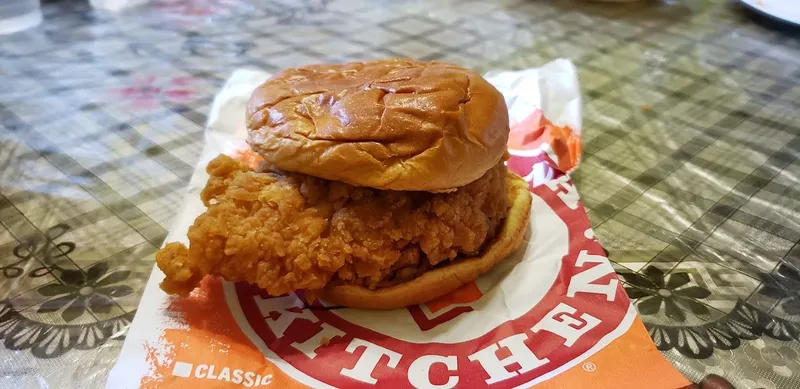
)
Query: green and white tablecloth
[{"x": 690, "y": 173}]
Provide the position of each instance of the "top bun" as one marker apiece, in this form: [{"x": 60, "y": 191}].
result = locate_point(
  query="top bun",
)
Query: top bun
[{"x": 390, "y": 124}]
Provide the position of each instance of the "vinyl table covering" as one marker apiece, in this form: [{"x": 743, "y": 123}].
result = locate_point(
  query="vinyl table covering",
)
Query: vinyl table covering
[{"x": 690, "y": 174}]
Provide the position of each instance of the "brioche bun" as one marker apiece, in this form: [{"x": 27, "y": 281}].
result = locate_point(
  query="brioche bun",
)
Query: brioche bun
[{"x": 391, "y": 124}]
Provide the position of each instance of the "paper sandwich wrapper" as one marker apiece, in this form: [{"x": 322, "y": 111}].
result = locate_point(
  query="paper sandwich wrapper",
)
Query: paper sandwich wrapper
[{"x": 551, "y": 315}]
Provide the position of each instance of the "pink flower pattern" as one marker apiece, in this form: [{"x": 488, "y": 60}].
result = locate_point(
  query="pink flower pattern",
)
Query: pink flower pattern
[
  {"x": 196, "y": 8},
  {"x": 149, "y": 91}
]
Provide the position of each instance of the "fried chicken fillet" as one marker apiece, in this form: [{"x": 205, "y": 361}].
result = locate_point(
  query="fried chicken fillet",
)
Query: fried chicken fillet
[{"x": 287, "y": 231}]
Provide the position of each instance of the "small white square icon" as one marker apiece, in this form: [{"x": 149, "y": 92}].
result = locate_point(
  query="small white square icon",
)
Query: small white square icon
[{"x": 182, "y": 369}]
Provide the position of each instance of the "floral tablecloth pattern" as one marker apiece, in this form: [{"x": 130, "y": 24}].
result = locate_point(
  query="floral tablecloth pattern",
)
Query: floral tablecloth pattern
[{"x": 690, "y": 174}]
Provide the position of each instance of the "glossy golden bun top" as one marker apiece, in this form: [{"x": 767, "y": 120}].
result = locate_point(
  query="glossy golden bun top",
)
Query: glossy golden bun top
[{"x": 391, "y": 124}]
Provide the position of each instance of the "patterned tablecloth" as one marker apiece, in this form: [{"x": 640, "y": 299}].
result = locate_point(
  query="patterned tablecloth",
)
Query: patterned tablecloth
[{"x": 691, "y": 171}]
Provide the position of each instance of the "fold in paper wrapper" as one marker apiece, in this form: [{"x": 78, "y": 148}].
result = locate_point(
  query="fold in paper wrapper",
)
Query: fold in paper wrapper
[{"x": 553, "y": 314}]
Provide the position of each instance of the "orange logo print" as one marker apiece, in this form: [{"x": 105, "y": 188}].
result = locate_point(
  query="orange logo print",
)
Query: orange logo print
[
  {"x": 536, "y": 129},
  {"x": 445, "y": 308}
]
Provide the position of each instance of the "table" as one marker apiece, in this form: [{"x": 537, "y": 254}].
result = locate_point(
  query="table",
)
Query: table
[{"x": 690, "y": 173}]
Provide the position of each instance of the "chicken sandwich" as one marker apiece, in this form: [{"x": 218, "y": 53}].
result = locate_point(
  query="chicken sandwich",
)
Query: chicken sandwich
[{"x": 383, "y": 185}]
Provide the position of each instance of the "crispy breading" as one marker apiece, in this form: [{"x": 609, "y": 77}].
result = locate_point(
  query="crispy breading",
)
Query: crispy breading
[{"x": 286, "y": 231}]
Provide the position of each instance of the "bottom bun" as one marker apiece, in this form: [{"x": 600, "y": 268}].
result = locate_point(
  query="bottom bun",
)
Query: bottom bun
[{"x": 443, "y": 280}]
